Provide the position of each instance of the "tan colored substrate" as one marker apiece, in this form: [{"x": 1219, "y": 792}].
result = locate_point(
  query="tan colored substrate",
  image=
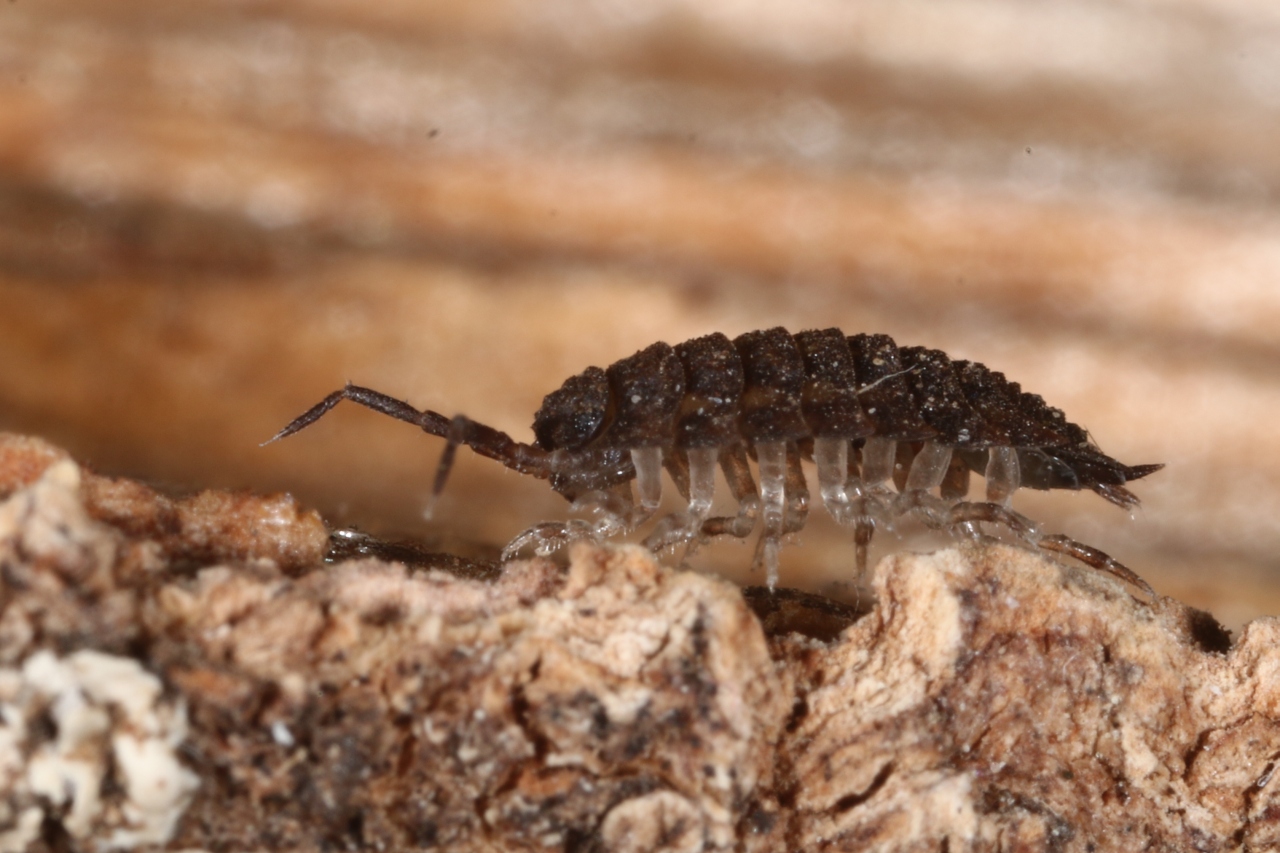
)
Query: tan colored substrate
[{"x": 189, "y": 674}]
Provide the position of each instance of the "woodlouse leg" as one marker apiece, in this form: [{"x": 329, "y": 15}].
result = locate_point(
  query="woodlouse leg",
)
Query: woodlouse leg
[
  {"x": 869, "y": 510},
  {"x": 930, "y": 509},
  {"x": 697, "y": 468},
  {"x": 1003, "y": 475},
  {"x": 737, "y": 471},
  {"x": 864, "y": 528},
  {"x": 702, "y": 483},
  {"x": 613, "y": 509},
  {"x": 648, "y": 465},
  {"x": 677, "y": 465},
  {"x": 670, "y": 529},
  {"x": 771, "y": 456},
  {"x": 547, "y": 538},
  {"x": 903, "y": 455},
  {"x": 955, "y": 483},
  {"x": 1094, "y": 558},
  {"x": 831, "y": 457},
  {"x": 797, "y": 492},
  {"x": 878, "y": 456},
  {"x": 928, "y": 468},
  {"x": 964, "y": 515}
]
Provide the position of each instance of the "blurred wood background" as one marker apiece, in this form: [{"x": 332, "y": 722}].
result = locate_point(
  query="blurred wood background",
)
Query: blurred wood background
[{"x": 214, "y": 213}]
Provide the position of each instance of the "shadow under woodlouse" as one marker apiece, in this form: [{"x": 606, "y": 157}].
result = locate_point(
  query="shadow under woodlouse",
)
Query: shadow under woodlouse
[{"x": 865, "y": 411}]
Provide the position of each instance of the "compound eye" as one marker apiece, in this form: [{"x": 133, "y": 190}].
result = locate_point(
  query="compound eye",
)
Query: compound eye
[{"x": 572, "y": 415}]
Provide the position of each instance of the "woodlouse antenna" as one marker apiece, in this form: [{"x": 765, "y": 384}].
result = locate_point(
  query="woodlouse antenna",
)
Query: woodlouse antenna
[{"x": 484, "y": 440}]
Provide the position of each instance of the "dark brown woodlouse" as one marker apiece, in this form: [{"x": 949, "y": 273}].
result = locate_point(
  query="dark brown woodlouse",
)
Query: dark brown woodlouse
[{"x": 865, "y": 411}]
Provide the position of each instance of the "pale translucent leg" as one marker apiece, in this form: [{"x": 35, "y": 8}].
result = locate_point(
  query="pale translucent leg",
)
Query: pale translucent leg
[
  {"x": 1003, "y": 476},
  {"x": 702, "y": 483},
  {"x": 962, "y": 518},
  {"x": 831, "y": 456},
  {"x": 611, "y": 510},
  {"x": 614, "y": 511},
  {"x": 797, "y": 492},
  {"x": 737, "y": 472},
  {"x": 648, "y": 465},
  {"x": 878, "y": 455},
  {"x": 772, "y": 459},
  {"x": 870, "y": 509},
  {"x": 686, "y": 526},
  {"x": 548, "y": 537},
  {"x": 929, "y": 467}
]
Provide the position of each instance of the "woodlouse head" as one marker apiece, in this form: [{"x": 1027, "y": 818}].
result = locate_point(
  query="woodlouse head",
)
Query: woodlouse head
[{"x": 573, "y": 414}]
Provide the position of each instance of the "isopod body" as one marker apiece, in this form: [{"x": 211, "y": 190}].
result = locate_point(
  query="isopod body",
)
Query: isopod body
[{"x": 864, "y": 410}]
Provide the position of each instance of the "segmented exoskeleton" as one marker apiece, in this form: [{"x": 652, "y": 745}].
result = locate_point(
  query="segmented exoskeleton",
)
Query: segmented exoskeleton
[{"x": 865, "y": 411}]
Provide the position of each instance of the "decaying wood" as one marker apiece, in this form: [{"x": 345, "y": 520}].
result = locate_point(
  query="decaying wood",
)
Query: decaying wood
[
  {"x": 167, "y": 687},
  {"x": 213, "y": 213}
]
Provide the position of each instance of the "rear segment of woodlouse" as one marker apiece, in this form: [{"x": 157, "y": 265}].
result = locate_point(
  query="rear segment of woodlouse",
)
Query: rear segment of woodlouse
[{"x": 865, "y": 411}]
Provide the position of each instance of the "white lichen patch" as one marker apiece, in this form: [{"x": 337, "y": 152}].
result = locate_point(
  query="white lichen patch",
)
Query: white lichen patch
[
  {"x": 91, "y": 738},
  {"x": 47, "y": 521}
]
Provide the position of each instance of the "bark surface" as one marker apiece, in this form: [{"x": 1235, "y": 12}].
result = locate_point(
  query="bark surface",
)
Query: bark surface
[{"x": 180, "y": 674}]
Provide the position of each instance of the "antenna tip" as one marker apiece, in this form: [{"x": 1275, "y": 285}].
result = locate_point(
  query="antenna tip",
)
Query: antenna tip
[{"x": 281, "y": 434}]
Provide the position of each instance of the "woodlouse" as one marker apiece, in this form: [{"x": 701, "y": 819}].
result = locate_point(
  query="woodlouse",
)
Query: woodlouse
[{"x": 864, "y": 410}]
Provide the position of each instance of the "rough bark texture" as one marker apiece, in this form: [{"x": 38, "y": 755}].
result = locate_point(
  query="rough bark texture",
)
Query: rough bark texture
[
  {"x": 214, "y": 213},
  {"x": 191, "y": 674}
]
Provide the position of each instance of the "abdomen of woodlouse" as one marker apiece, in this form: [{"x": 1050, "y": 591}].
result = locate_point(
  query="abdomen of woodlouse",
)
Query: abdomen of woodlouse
[{"x": 891, "y": 431}]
